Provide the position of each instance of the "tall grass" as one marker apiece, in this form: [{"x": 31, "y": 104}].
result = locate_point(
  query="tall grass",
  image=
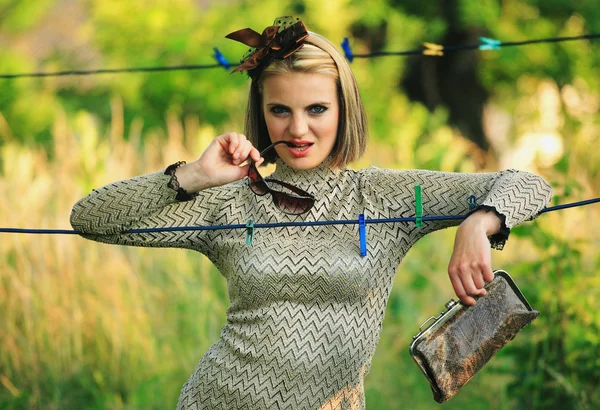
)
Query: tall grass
[{"x": 85, "y": 325}]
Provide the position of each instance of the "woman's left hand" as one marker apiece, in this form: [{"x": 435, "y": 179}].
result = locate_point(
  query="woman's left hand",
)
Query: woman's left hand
[{"x": 471, "y": 262}]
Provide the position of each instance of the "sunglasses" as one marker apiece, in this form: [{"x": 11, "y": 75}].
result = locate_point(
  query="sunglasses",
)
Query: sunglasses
[{"x": 296, "y": 203}]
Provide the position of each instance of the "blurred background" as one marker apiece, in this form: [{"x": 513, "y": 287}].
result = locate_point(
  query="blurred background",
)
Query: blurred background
[{"x": 91, "y": 326}]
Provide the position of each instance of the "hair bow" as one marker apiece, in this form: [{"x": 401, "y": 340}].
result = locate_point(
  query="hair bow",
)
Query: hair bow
[{"x": 278, "y": 41}]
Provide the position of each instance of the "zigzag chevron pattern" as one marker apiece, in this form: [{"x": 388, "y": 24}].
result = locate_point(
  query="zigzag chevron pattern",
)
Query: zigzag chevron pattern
[{"x": 306, "y": 310}]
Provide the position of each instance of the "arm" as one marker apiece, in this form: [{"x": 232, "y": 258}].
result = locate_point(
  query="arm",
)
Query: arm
[
  {"x": 144, "y": 201},
  {"x": 515, "y": 196},
  {"x": 149, "y": 201},
  {"x": 504, "y": 199}
]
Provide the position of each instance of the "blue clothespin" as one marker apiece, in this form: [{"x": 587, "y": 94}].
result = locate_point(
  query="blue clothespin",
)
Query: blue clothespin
[
  {"x": 472, "y": 202},
  {"x": 249, "y": 232},
  {"x": 347, "y": 49},
  {"x": 362, "y": 233},
  {"x": 418, "y": 206},
  {"x": 221, "y": 58},
  {"x": 489, "y": 44}
]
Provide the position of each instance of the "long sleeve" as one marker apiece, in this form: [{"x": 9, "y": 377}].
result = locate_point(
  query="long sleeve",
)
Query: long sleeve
[
  {"x": 516, "y": 196},
  {"x": 147, "y": 202}
]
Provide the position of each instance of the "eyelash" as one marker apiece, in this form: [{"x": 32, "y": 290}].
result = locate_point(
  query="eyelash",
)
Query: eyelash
[
  {"x": 313, "y": 109},
  {"x": 321, "y": 109}
]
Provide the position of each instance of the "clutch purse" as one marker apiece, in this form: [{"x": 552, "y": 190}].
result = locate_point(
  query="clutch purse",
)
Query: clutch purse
[{"x": 453, "y": 346}]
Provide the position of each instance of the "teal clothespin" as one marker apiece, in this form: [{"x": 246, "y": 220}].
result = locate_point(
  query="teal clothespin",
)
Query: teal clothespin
[
  {"x": 418, "y": 206},
  {"x": 489, "y": 44},
  {"x": 249, "y": 232},
  {"x": 472, "y": 202}
]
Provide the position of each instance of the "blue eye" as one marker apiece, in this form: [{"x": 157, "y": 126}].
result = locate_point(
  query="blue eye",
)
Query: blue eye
[
  {"x": 317, "y": 109},
  {"x": 278, "y": 109}
]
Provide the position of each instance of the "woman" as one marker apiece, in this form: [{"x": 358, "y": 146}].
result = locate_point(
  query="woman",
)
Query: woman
[{"x": 306, "y": 307}]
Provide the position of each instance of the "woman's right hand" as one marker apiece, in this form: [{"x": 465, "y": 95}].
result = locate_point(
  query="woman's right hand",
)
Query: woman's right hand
[{"x": 219, "y": 164}]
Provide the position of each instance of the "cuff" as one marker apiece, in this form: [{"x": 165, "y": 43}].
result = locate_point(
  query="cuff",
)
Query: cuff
[{"x": 182, "y": 194}]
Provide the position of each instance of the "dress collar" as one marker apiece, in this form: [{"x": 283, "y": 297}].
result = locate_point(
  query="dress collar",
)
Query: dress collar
[{"x": 305, "y": 178}]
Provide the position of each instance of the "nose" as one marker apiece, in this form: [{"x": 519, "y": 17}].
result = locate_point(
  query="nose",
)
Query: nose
[{"x": 298, "y": 126}]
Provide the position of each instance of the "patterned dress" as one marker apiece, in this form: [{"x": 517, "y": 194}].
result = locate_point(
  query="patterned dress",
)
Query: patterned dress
[{"x": 306, "y": 309}]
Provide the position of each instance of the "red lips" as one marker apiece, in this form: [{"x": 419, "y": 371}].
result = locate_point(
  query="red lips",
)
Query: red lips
[{"x": 301, "y": 148}]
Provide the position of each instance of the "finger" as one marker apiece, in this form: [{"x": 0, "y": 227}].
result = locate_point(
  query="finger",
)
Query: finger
[
  {"x": 253, "y": 155},
  {"x": 479, "y": 282},
  {"x": 244, "y": 166},
  {"x": 241, "y": 154},
  {"x": 470, "y": 288},
  {"x": 466, "y": 277},
  {"x": 231, "y": 141},
  {"x": 480, "y": 291},
  {"x": 469, "y": 301},
  {"x": 234, "y": 149},
  {"x": 488, "y": 273},
  {"x": 477, "y": 277},
  {"x": 460, "y": 291}
]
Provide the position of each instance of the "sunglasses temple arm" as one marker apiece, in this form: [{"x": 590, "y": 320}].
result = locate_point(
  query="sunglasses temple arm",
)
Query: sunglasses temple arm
[{"x": 291, "y": 187}]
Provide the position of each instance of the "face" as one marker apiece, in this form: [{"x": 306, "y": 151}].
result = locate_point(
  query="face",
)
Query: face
[{"x": 301, "y": 108}]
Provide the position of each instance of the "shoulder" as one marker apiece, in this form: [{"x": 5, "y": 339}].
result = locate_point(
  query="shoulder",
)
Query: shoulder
[
  {"x": 374, "y": 171},
  {"x": 386, "y": 176}
]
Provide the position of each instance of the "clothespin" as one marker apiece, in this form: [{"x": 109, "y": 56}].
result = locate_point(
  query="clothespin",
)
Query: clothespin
[
  {"x": 472, "y": 202},
  {"x": 418, "y": 206},
  {"x": 432, "y": 49},
  {"x": 362, "y": 233},
  {"x": 221, "y": 58},
  {"x": 489, "y": 43},
  {"x": 347, "y": 49},
  {"x": 249, "y": 232}
]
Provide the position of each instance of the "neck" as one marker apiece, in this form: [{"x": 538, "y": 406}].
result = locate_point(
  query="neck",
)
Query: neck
[{"x": 304, "y": 177}]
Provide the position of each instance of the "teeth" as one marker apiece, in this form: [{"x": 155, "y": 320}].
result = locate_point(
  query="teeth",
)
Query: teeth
[{"x": 301, "y": 147}]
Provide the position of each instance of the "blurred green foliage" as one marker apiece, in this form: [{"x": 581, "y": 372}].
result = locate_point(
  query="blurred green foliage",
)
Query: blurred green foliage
[{"x": 536, "y": 107}]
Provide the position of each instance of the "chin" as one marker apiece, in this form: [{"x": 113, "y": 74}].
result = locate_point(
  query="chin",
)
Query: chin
[{"x": 301, "y": 164}]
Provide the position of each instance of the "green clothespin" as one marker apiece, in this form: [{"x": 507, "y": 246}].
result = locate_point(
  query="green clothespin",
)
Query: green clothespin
[
  {"x": 418, "y": 206},
  {"x": 249, "y": 232}
]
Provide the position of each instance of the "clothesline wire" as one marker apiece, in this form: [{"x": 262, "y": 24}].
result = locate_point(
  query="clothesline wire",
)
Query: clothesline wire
[
  {"x": 478, "y": 46},
  {"x": 286, "y": 224},
  {"x": 222, "y": 62},
  {"x": 184, "y": 67}
]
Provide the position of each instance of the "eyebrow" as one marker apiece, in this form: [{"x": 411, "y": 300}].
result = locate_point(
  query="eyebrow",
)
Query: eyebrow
[{"x": 309, "y": 105}]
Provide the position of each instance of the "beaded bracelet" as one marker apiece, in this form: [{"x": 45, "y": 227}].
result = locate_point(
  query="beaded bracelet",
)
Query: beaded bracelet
[{"x": 182, "y": 194}]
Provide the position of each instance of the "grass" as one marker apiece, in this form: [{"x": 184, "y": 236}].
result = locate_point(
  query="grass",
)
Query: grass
[
  {"x": 86, "y": 325},
  {"x": 91, "y": 326}
]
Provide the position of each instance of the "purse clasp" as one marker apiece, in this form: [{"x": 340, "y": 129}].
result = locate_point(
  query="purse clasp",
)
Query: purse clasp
[{"x": 450, "y": 304}]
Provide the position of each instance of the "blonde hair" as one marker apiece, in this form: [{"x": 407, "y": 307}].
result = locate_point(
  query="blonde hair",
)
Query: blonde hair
[{"x": 318, "y": 55}]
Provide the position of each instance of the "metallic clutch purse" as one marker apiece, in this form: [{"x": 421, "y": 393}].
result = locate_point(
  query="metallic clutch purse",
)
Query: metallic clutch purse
[{"x": 453, "y": 346}]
